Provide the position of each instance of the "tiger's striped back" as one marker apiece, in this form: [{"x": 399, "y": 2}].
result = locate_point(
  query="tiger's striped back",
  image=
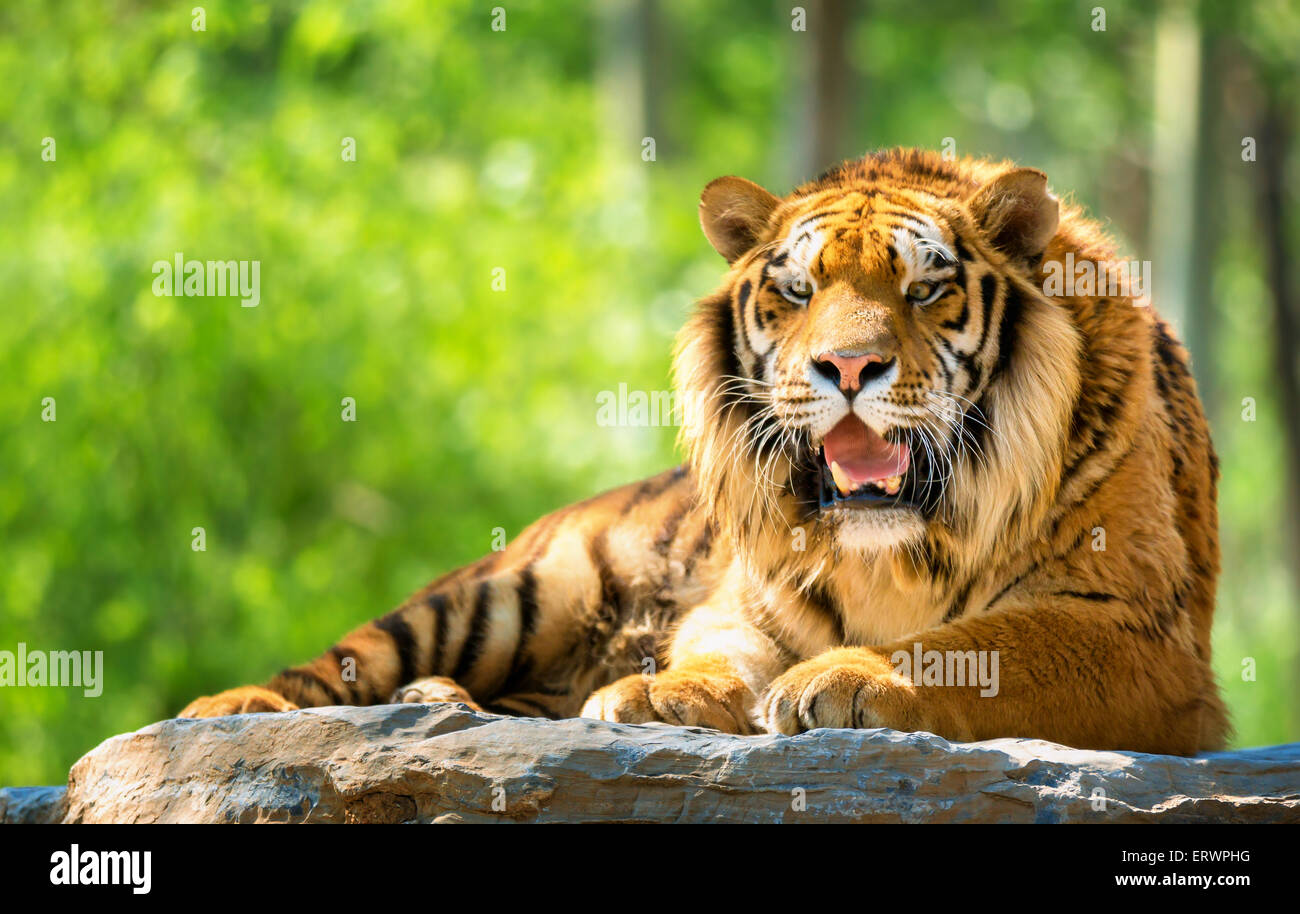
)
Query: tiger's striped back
[{"x": 579, "y": 598}]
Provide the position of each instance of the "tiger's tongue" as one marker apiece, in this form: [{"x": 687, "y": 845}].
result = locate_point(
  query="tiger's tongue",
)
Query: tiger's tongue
[{"x": 861, "y": 453}]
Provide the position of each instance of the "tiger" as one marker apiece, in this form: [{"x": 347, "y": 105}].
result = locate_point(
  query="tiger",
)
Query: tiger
[{"x": 899, "y": 444}]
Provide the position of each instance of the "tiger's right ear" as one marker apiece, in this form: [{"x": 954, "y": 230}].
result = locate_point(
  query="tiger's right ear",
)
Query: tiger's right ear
[{"x": 733, "y": 214}]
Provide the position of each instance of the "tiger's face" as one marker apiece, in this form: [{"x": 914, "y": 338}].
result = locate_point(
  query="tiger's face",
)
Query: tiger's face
[
  {"x": 851, "y": 344},
  {"x": 866, "y": 321}
]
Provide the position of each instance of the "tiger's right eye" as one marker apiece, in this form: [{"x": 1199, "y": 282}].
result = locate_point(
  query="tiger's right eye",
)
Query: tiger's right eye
[{"x": 797, "y": 291}]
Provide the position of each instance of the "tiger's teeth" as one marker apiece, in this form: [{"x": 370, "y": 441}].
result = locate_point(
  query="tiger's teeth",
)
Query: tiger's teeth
[
  {"x": 892, "y": 484},
  {"x": 842, "y": 481}
]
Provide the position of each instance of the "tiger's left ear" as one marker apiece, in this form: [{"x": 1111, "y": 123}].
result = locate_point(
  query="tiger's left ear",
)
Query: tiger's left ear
[{"x": 1017, "y": 213}]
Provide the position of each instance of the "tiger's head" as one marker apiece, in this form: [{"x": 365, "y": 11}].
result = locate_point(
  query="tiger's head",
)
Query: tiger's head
[{"x": 880, "y": 365}]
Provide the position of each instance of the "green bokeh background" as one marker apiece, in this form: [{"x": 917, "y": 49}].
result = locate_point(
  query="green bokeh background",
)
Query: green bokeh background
[{"x": 476, "y": 150}]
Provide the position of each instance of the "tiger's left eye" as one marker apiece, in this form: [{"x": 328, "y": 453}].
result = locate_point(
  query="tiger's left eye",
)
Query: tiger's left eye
[{"x": 922, "y": 292}]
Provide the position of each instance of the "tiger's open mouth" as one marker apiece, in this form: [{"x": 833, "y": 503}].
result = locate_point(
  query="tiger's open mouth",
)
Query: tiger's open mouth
[{"x": 862, "y": 469}]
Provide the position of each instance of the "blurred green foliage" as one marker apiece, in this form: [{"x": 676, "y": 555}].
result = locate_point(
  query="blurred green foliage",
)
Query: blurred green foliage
[{"x": 476, "y": 150}]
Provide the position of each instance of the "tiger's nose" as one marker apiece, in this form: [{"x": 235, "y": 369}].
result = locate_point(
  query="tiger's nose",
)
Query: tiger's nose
[{"x": 850, "y": 371}]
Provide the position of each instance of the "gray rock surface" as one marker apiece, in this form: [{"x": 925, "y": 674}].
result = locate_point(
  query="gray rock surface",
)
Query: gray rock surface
[
  {"x": 445, "y": 763},
  {"x": 31, "y": 805}
]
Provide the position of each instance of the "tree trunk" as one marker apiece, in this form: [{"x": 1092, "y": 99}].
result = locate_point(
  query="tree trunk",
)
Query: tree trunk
[
  {"x": 1173, "y": 161},
  {"x": 1275, "y": 138},
  {"x": 819, "y": 100}
]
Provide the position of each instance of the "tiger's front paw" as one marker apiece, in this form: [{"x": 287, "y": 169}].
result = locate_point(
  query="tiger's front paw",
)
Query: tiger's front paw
[
  {"x": 685, "y": 698},
  {"x": 847, "y": 688},
  {"x": 433, "y": 689},
  {"x": 244, "y": 700}
]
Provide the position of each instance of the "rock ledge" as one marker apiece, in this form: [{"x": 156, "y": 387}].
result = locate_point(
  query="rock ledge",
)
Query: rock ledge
[{"x": 445, "y": 763}]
